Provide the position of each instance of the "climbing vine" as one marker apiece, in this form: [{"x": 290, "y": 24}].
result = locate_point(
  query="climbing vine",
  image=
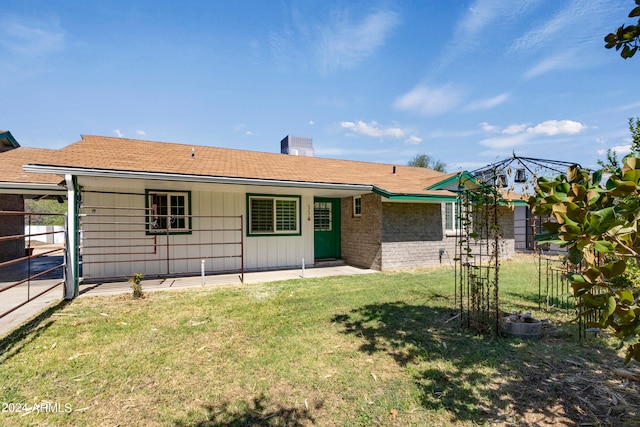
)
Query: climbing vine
[{"x": 478, "y": 259}]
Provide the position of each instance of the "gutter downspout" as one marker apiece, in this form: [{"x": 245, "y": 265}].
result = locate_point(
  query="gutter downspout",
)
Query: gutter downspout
[{"x": 71, "y": 286}]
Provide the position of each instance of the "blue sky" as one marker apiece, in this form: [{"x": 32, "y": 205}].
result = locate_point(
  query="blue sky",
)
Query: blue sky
[{"x": 467, "y": 82}]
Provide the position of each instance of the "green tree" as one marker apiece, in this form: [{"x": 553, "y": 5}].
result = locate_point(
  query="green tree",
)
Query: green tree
[
  {"x": 634, "y": 128},
  {"x": 45, "y": 211},
  {"x": 599, "y": 226},
  {"x": 612, "y": 165},
  {"x": 627, "y": 38},
  {"x": 426, "y": 161}
]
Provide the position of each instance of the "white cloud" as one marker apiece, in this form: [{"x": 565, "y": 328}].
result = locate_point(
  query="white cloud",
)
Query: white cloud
[
  {"x": 373, "y": 129},
  {"x": 438, "y": 134},
  {"x": 487, "y": 104},
  {"x": 557, "y": 127},
  {"x": 311, "y": 123},
  {"x": 428, "y": 101},
  {"x": 519, "y": 134},
  {"x": 468, "y": 166},
  {"x": 585, "y": 21},
  {"x": 486, "y": 13},
  {"x": 244, "y": 129},
  {"x": 339, "y": 151},
  {"x": 470, "y": 32},
  {"x": 620, "y": 150},
  {"x": 283, "y": 47},
  {"x": 548, "y": 128},
  {"x": 344, "y": 44},
  {"x": 578, "y": 16},
  {"x": 341, "y": 39},
  {"x": 560, "y": 61},
  {"x": 413, "y": 139},
  {"x": 506, "y": 141},
  {"x": 488, "y": 127},
  {"x": 118, "y": 133},
  {"x": 141, "y": 132},
  {"x": 533, "y": 39},
  {"x": 514, "y": 129},
  {"x": 31, "y": 38},
  {"x": 633, "y": 106}
]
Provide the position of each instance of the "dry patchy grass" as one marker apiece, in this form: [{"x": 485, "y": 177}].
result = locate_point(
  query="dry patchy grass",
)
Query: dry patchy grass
[{"x": 343, "y": 351}]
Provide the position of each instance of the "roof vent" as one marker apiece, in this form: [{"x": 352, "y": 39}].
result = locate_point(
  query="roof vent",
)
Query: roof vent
[{"x": 297, "y": 146}]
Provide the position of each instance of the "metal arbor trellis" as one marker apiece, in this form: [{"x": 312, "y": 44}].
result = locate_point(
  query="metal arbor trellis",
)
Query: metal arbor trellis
[{"x": 479, "y": 240}]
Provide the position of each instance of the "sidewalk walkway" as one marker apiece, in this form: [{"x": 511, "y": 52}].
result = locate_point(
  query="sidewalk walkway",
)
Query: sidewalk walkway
[{"x": 33, "y": 308}]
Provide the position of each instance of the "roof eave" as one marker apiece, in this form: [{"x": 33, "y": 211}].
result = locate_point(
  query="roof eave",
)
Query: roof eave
[
  {"x": 31, "y": 188},
  {"x": 7, "y": 135},
  {"x": 451, "y": 179},
  {"x": 109, "y": 173},
  {"x": 414, "y": 197}
]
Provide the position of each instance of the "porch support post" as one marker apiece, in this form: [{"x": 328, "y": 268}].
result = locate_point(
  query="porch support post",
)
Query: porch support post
[{"x": 71, "y": 285}]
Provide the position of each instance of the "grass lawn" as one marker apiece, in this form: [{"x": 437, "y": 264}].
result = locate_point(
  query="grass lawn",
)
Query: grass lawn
[{"x": 342, "y": 351}]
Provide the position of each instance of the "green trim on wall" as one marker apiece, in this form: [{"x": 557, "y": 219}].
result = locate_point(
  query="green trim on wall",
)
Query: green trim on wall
[
  {"x": 428, "y": 197},
  {"x": 413, "y": 197}
]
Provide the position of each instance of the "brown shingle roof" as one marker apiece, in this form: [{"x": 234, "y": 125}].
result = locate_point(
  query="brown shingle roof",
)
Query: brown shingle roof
[
  {"x": 99, "y": 152},
  {"x": 11, "y": 163}
]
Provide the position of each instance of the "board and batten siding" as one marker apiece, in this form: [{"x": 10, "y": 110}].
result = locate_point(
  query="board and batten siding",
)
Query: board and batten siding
[{"x": 207, "y": 201}]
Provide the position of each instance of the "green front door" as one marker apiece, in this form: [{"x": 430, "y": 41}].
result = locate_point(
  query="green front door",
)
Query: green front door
[{"x": 326, "y": 226}]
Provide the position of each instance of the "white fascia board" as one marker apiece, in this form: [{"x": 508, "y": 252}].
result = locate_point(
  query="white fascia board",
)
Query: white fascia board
[
  {"x": 31, "y": 188},
  {"x": 105, "y": 173}
]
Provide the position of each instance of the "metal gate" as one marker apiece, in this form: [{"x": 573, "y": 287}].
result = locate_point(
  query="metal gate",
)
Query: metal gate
[
  {"x": 118, "y": 241},
  {"x": 28, "y": 269}
]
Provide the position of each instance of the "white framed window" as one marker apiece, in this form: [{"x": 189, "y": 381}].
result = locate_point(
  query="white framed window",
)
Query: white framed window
[
  {"x": 168, "y": 211},
  {"x": 451, "y": 217},
  {"x": 357, "y": 206},
  {"x": 273, "y": 215}
]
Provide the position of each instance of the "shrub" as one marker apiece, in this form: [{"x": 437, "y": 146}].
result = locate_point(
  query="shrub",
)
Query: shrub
[{"x": 136, "y": 285}]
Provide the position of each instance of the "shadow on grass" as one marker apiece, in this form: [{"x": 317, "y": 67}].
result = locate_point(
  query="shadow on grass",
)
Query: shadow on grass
[
  {"x": 15, "y": 341},
  {"x": 474, "y": 378},
  {"x": 258, "y": 413},
  {"x": 539, "y": 302}
]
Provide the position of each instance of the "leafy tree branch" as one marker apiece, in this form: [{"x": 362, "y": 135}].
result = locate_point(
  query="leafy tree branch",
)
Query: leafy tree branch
[
  {"x": 626, "y": 38},
  {"x": 598, "y": 224},
  {"x": 426, "y": 161}
]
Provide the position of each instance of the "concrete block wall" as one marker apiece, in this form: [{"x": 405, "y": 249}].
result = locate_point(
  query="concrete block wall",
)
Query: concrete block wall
[
  {"x": 411, "y": 222},
  {"x": 411, "y": 255},
  {"x": 11, "y": 225},
  {"x": 362, "y": 236},
  {"x": 414, "y": 237},
  {"x": 402, "y": 236},
  {"x": 418, "y": 254},
  {"x": 506, "y": 223}
]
